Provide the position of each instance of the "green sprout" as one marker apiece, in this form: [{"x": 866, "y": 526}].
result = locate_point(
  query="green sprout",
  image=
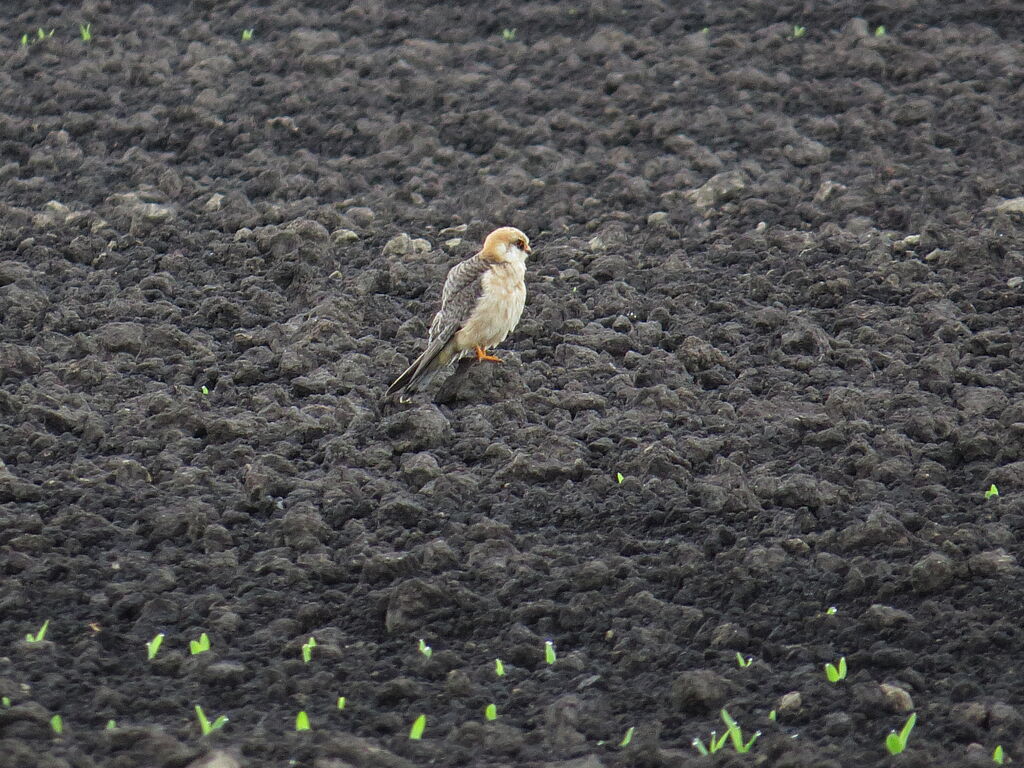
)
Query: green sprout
[
  {"x": 736, "y": 734},
  {"x": 85, "y": 32},
  {"x": 111, "y": 725},
  {"x": 247, "y": 34},
  {"x": 38, "y": 636},
  {"x": 24, "y": 40},
  {"x": 773, "y": 716},
  {"x": 204, "y": 389},
  {"x": 205, "y": 725},
  {"x": 549, "y": 652},
  {"x": 834, "y": 672},
  {"x": 499, "y": 668},
  {"x": 153, "y": 646},
  {"x": 307, "y": 649},
  {"x": 744, "y": 663},
  {"x": 425, "y": 649},
  {"x": 199, "y": 646},
  {"x": 57, "y": 724},
  {"x": 491, "y": 712},
  {"x": 341, "y": 702},
  {"x": 42, "y": 35},
  {"x": 628, "y": 737},
  {"x": 705, "y": 30},
  {"x": 992, "y": 491},
  {"x": 302, "y": 721},
  {"x": 508, "y": 35},
  {"x": 831, "y": 611},
  {"x": 418, "y": 725},
  {"x": 799, "y": 31},
  {"x": 715, "y": 743},
  {"x": 6, "y": 702},
  {"x": 897, "y": 742},
  {"x": 997, "y": 755},
  {"x": 619, "y": 477},
  {"x": 879, "y": 31}
]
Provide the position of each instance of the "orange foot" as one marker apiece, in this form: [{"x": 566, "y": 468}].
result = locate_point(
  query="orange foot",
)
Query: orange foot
[{"x": 481, "y": 354}]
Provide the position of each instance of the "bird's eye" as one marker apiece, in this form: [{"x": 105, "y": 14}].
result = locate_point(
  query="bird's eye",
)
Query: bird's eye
[{"x": 521, "y": 245}]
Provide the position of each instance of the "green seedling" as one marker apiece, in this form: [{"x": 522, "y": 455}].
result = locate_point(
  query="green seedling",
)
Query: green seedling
[
  {"x": 341, "y": 702},
  {"x": 499, "y": 668},
  {"x": 418, "y": 725},
  {"x": 773, "y": 716},
  {"x": 111, "y": 725},
  {"x": 549, "y": 652},
  {"x": 247, "y": 34},
  {"x": 153, "y": 646},
  {"x": 628, "y": 737},
  {"x": 202, "y": 645},
  {"x": 302, "y": 721},
  {"x": 41, "y": 34},
  {"x": 38, "y": 636},
  {"x": 715, "y": 743},
  {"x": 6, "y": 702},
  {"x": 895, "y": 743},
  {"x": 879, "y": 31},
  {"x": 619, "y": 477},
  {"x": 307, "y": 649},
  {"x": 57, "y": 724},
  {"x": 24, "y": 40},
  {"x": 705, "y": 30},
  {"x": 736, "y": 734},
  {"x": 799, "y": 31},
  {"x": 425, "y": 649},
  {"x": 85, "y": 32},
  {"x": 508, "y": 35},
  {"x": 204, "y": 389},
  {"x": 491, "y": 712},
  {"x": 992, "y": 491},
  {"x": 831, "y": 611},
  {"x": 744, "y": 662},
  {"x": 997, "y": 755},
  {"x": 205, "y": 725},
  {"x": 834, "y": 672}
]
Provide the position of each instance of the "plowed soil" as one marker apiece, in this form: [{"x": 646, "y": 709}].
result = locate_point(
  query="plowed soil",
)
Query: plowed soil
[{"x": 765, "y": 402}]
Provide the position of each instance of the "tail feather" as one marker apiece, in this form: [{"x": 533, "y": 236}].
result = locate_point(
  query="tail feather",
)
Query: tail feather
[{"x": 436, "y": 357}]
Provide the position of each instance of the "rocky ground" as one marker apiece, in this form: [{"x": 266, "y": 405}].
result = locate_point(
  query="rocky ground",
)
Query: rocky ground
[{"x": 769, "y": 367}]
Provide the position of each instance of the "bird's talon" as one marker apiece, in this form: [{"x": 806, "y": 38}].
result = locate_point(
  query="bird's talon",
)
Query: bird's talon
[{"x": 481, "y": 354}]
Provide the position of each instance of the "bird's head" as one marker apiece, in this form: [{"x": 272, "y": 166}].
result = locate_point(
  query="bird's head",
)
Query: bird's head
[{"x": 506, "y": 244}]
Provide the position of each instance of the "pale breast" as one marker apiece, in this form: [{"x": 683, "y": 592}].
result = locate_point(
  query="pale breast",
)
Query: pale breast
[{"x": 498, "y": 309}]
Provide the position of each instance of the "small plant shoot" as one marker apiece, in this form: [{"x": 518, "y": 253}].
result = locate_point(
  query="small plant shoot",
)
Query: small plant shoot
[
  {"x": 549, "y": 652},
  {"x": 247, "y": 34},
  {"x": 628, "y": 737},
  {"x": 895, "y": 743},
  {"x": 57, "y": 724},
  {"x": 736, "y": 734},
  {"x": 425, "y": 649},
  {"x": 307, "y": 650},
  {"x": 773, "y": 715},
  {"x": 799, "y": 31},
  {"x": 39, "y": 636},
  {"x": 204, "y": 722},
  {"x": 153, "y": 646},
  {"x": 85, "y": 32},
  {"x": 341, "y": 702},
  {"x": 998, "y": 756},
  {"x": 831, "y": 611},
  {"x": 499, "y": 668},
  {"x": 508, "y": 35},
  {"x": 491, "y": 712},
  {"x": 744, "y": 662},
  {"x": 992, "y": 491},
  {"x": 619, "y": 477},
  {"x": 879, "y": 31},
  {"x": 111, "y": 725},
  {"x": 418, "y": 726},
  {"x": 836, "y": 672},
  {"x": 302, "y": 721},
  {"x": 6, "y": 702},
  {"x": 202, "y": 645}
]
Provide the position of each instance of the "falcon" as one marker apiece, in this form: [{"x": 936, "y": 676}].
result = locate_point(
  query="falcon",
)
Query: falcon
[{"x": 481, "y": 304}]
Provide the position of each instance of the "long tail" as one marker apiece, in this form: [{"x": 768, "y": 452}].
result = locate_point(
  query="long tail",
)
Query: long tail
[{"x": 436, "y": 357}]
